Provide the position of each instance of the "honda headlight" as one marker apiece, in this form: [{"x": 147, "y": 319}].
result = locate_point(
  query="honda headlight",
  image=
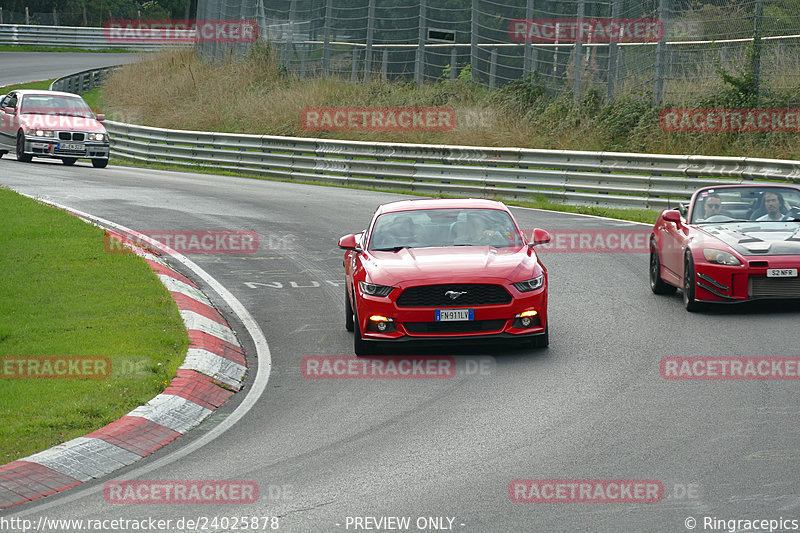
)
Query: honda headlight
[
  {"x": 720, "y": 257},
  {"x": 530, "y": 284},
  {"x": 374, "y": 290}
]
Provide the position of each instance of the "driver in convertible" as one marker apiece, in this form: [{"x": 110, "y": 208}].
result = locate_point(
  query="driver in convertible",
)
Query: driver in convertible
[{"x": 712, "y": 206}]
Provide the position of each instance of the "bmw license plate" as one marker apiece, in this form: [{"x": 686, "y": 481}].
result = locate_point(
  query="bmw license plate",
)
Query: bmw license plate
[
  {"x": 448, "y": 315},
  {"x": 70, "y": 146},
  {"x": 781, "y": 272}
]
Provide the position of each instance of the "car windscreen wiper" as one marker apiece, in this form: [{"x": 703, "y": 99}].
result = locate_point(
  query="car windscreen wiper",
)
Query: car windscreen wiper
[{"x": 392, "y": 249}]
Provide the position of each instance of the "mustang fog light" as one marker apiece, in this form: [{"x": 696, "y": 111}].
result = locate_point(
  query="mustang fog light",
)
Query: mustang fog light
[
  {"x": 381, "y": 324},
  {"x": 527, "y": 319}
]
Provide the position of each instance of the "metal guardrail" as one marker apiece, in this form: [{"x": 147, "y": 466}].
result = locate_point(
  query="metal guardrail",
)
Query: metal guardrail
[
  {"x": 83, "y": 81},
  {"x": 76, "y": 37},
  {"x": 609, "y": 179}
]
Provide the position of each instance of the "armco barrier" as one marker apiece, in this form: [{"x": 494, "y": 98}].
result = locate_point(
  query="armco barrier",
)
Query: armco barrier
[
  {"x": 73, "y": 37},
  {"x": 609, "y": 179}
]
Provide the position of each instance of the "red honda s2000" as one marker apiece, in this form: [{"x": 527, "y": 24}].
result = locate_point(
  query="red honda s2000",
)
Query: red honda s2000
[
  {"x": 444, "y": 269},
  {"x": 733, "y": 243}
]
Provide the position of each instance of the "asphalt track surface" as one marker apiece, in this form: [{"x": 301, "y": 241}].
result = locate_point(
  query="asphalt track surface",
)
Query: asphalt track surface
[
  {"x": 21, "y": 67},
  {"x": 592, "y": 406}
]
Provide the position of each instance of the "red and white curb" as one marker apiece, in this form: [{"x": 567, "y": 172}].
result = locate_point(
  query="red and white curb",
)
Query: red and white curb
[{"x": 212, "y": 371}]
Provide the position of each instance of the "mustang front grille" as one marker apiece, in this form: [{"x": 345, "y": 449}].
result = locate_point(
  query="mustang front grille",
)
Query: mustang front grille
[
  {"x": 461, "y": 295},
  {"x": 774, "y": 287},
  {"x": 467, "y": 326}
]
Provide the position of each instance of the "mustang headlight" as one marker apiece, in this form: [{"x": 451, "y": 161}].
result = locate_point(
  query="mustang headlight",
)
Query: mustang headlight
[
  {"x": 720, "y": 257},
  {"x": 530, "y": 284},
  {"x": 374, "y": 290},
  {"x": 43, "y": 133}
]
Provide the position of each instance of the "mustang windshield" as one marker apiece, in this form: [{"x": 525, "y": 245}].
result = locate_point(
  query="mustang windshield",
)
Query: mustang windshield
[
  {"x": 444, "y": 227},
  {"x": 740, "y": 204}
]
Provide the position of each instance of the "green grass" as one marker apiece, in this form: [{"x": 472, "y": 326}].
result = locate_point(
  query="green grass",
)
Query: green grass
[
  {"x": 63, "y": 294},
  {"x": 44, "y": 84}
]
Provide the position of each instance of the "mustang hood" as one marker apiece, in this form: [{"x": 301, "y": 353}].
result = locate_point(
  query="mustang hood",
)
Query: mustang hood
[
  {"x": 451, "y": 265},
  {"x": 757, "y": 238}
]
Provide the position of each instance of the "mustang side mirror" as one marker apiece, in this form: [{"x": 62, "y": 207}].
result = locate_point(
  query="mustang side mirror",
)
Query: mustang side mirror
[
  {"x": 540, "y": 236},
  {"x": 672, "y": 216},
  {"x": 348, "y": 242}
]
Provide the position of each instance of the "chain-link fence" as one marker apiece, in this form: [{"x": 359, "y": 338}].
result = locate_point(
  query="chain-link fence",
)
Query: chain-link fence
[{"x": 499, "y": 41}]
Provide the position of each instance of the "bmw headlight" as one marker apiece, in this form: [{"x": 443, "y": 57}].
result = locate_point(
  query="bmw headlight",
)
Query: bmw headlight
[
  {"x": 43, "y": 133},
  {"x": 530, "y": 284},
  {"x": 374, "y": 290},
  {"x": 97, "y": 137},
  {"x": 720, "y": 257}
]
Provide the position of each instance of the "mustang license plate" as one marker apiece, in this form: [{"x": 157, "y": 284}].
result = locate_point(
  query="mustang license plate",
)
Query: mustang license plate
[
  {"x": 781, "y": 272},
  {"x": 448, "y": 315}
]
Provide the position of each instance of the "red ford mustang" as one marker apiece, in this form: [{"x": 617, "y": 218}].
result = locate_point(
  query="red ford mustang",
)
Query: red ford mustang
[
  {"x": 732, "y": 243},
  {"x": 444, "y": 269}
]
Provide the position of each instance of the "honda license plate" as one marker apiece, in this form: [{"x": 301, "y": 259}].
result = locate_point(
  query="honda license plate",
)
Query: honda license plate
[
  {"x": 781, "y": 272},
  {"x": 449, "y": 315}
]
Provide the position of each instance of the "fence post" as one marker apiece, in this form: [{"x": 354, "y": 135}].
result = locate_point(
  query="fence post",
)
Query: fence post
[
  {"x": 326, "y": 46},
  {"x": 493, "y": 68},
  {"x": 290, "y": 37},
  {"x": 419, "y": 71},
  {"x": 368, "y": 51},
  {"x": 473, "y": 42},
  {"x": 453, "y": 62},
  {"x": 354, "y": 71},
  {"x": 756, "y": 66},
  {"x": 661, "y": 50},
  {"x": 526, "y": 59},
  {"x": 303, "y": 59},
  {"x": 385, "y": 64},
  {"x": 577, "y": 65},
  {"x": 612, "y": 55}
]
